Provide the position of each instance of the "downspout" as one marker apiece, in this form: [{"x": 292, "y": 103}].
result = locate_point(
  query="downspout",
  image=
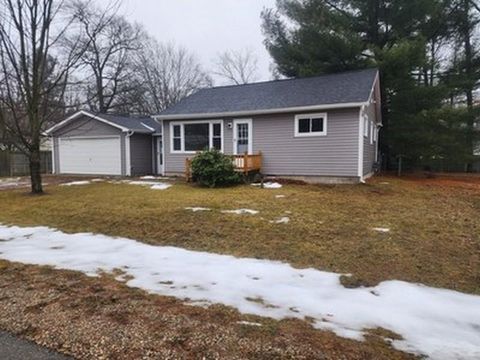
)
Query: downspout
[
  {"x": 360, "y": 144},
  {"x": 164, "y": 163},
  {"x": 128, "y": 160},
  {"x": 52, "y": 139}
]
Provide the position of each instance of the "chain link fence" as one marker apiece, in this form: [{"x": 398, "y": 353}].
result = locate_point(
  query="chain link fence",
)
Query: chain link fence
[{"x": 16, "y": 164}]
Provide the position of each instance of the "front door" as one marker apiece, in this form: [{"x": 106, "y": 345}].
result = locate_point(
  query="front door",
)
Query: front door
[
  {"x": 159, "y": 156},
  {"x": 242, "y": 136}
]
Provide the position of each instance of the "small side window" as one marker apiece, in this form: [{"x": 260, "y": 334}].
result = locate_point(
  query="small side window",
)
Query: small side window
[
  {"x": 177, "y": 138},
  {"x": 217, "y": 136}
]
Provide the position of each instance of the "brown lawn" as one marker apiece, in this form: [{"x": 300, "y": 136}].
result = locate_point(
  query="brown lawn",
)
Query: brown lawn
[{"x": 434, "y": 224}]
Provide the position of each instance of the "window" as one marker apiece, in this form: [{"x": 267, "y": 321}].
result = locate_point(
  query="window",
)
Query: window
[
  {"x": 217, "y": 136},
  {"x": 375, "y": 134},
  {"x": 190, "y": 137},
  {"x": 365, "y": 126},
  {"x": 177, "y": 138},
  {"x": 311, "y": 125},
  {"x": 197, "y": 137}
]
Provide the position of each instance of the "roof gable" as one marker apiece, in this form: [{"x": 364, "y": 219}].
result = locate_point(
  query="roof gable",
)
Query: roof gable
[
  {"x": 335, "y": 89},
  {"x": 123, "y": 123}
]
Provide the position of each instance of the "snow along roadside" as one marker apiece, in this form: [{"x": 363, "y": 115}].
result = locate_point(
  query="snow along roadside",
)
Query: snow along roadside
[{"x": 436, "y": 322}]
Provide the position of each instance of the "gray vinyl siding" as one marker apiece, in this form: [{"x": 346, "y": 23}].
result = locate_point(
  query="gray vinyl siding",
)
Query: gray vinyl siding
[
  {"x": 335, "y": 154},
  {"x": 141, "y": 154},
  {"x": 84, "y": 126}
]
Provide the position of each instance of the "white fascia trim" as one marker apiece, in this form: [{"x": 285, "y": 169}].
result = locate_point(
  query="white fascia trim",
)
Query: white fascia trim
[
  {"x": 84, "y": 113},
  {"x": 260, "y": 112},
  {"x": 148, "y": 127},
  {"x": 128, "y": 160},
  {"x": 372, "y": 93},
  {"x": 89, "y": 137},
  {"x": 360, "y": 143}
]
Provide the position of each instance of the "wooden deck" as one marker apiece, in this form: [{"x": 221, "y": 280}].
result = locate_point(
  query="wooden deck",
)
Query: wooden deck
[{"x": 243, "y": 163}]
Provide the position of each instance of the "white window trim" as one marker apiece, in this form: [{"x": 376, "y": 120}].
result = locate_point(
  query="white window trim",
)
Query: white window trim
[
  {"x": 365, "y": 125},
  {"x": 250, "y": 135},
  {"x": 372, "y": 129},
  {"x": 182, "y": 134},
  {"x": 311, "y": 116}
]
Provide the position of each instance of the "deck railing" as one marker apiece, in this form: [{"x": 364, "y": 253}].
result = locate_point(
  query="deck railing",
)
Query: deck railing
[{"x": 243, "y": 163}]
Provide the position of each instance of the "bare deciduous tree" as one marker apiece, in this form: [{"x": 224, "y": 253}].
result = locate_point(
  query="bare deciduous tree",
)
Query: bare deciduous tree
[
  {"x": 112, "y": 42},
  {"x": 34, "y": 73},
  {"x": 237, "y": 67},
  {"x": 165, "y": 74}
]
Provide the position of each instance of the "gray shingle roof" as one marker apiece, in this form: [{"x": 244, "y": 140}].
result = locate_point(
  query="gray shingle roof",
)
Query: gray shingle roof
[
  {"x": 136, "y": 124},
  {"x": 347, "y": 87}
]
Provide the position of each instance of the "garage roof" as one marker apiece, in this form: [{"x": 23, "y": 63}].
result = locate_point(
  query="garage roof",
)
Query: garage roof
[
  {"x": 347, "y": 88},
  {"x": 141, "y": 125}
]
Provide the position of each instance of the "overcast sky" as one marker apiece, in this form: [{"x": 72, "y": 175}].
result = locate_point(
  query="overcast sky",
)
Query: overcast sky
[{"x": 205, "y": 27}]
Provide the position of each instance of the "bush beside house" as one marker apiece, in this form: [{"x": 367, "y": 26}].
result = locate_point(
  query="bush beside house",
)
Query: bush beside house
[{"x": 213, "y": 169}]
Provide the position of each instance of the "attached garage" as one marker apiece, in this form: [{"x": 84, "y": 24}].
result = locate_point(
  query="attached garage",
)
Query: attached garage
[
  {"x": 103, "y": 144},
  {"x": 90, "y": 155}
]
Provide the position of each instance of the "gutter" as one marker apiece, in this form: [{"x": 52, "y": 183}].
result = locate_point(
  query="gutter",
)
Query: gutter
[{"x": 260, "y": 112}]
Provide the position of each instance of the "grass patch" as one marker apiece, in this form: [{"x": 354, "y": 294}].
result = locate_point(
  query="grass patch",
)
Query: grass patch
[{"x": 434, "y": 224}]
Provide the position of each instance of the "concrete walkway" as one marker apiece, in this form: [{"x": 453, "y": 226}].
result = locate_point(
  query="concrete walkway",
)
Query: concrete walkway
[{"x": 13, "y": 348}]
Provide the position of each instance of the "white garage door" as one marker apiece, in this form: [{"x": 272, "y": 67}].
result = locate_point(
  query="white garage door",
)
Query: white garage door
[{"x": 99, "y": 155}]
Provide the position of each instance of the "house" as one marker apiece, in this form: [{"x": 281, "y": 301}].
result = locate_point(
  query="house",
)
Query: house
[{"x": 318, "y": 129}]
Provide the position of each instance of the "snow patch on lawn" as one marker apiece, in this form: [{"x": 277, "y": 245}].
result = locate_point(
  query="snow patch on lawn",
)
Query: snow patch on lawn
[
  {"x": 279, "y": 196},
  {"x": 154, "y": 185},
  {"x": 196, "y": 209},
  {"x": 6, "y": 183},
  {"x": 10, "y": 180},
  {"x": 269, "y": 185},
  {"x": 380, "y": 229},
  {"x": 282, "y": 220},
  {"x": 440, "y": 323},
  {"x": 162, "y": 186},
  {"x": 77, "y": 183},
  {"x": 240, "y": 212},
  {"x": 248, "y": 323}
]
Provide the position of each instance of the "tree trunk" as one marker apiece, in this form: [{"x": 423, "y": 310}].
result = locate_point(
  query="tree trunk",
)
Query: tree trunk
[{"x": 35, "y": 172}]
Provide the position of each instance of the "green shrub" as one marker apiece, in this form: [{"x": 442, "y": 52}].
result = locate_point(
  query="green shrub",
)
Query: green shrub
[{"x": 212, "y": 168}]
